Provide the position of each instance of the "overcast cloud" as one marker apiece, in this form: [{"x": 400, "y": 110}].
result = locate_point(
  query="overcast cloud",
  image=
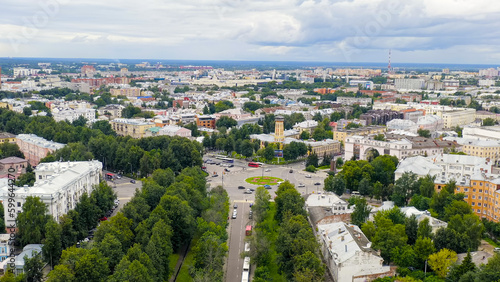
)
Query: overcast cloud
[{"x": 427, "y": 31}]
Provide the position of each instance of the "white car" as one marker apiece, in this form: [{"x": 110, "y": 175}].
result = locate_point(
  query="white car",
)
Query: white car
[
  {"x": 301, "y": 185},
  {"x": 235, "y": 213},
  {"x": 308, "y": 176},
  {"x": 279, "y": 182},
  {"x": 268, "y": 170}
]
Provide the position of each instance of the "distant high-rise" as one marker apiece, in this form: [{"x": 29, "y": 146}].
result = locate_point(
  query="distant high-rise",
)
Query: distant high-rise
[
  {"x": 0, "y": 78},
  {"x": 389, "y": 69}
]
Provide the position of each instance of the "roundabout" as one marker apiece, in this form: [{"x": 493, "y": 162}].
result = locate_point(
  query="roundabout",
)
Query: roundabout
[{"x": 266, "y": 180}]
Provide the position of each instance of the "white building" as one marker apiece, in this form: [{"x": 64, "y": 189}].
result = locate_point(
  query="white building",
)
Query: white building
[
  {"x": 459, "y": 117},
  {"x": 69, "y": 114},
  {"x": 430, "y": 122},
  {"x": 482, "y": 133},
  {"x": 445, "y": 167},
  {"x": 359, "y": 146},
  {"x": 348, "y": 253},
  {"x": 174, "y": 130},
  {"x": 59, "y": 185},
  {"x": 402, "y": 124},
  {"x": 307, "y": 125},
  {"x": 409, "y": 84}
]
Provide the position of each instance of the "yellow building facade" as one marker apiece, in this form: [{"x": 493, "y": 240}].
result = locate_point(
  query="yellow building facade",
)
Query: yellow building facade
[
  {"x": 7, "y": 137},
  {"x": 131, "y": 127},
  {"x": 481, "y": 195},
  {"x": 342, "y": 134}
]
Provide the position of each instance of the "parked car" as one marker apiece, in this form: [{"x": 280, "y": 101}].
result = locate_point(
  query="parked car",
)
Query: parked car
[
  {"x": 268, "y": 170},
  {"x": 267, "y": 186},
  {"x": 279, "y": 182},
  {"x": 230, "y": 165},
  {"x": 215, "y": 175},
  {"x": 317, "y": 183},
  {"x": 103, "y": 218},
  {"x": 235, "y": 206},
  {"x": 496, "y": 250},
  {"x": 251, "y": 189},
  {"x": 291, "y": 170},
  {"x": 226, "y": 170},
  {"x": 301, "y": 185},
  {"x": 241, "y": 187},
  {"x": 247, "y": 191},
  {"x": 132, "y": 181},
  {"x": 235, "y": 213},
  {"x": 308, "y": 176},
  {"x": 250, "y": 215}
]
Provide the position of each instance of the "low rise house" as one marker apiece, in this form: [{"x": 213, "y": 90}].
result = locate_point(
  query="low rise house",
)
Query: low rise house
[{"x": 29, "y": 251}]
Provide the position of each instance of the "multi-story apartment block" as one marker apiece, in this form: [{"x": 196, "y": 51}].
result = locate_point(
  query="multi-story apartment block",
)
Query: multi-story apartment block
[
  {"x": 307, "y": 125},
  {"x": 129, "y": 92},
  {"x": 482, "y": 133},
  {"x": 111, "y": 111},
  {"x": 348, "y": 253},
  {"x": 489, "y": 149},
  {"x": 472, "y": 175},
  {"x": 36, "y": 148},
  {"x": 69, "y": 114},
  {"x": 354, "y": 101},
  {"x": 380, "y": 116},
  {"x": 135, "y": 128},
  {"x": 59, "y": 185},
  {"x": 205, "y": 121},
  {"x": 88, "y": 70},
  {"x": 341, "y": 134},
  {"x": 458, "y": 118},
  {"x": 409, "y": 83}
]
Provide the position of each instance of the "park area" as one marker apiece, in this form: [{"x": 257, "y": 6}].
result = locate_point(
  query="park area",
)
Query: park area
[{"x": 263, "y": 180}]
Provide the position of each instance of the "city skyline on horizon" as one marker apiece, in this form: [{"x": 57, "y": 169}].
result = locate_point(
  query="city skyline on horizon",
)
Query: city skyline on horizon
[{"x": 357, "y": 31}]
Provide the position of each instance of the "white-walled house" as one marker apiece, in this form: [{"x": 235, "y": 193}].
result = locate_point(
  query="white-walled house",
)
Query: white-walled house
[{"x": 348, "y": 253}]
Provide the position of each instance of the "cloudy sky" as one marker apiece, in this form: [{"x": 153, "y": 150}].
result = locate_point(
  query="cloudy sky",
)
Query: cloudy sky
[{"x": 419, "y": 31}]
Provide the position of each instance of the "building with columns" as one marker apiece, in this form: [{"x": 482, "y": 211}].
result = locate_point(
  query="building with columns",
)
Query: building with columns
[{"x": 59, "y": 185}]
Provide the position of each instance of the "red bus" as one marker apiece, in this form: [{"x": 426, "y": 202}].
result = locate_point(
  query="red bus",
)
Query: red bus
[
  {"x": 110, "y": 176},
  {"x": 248, "y": 230},
  {"x": 253, "y": 164}
]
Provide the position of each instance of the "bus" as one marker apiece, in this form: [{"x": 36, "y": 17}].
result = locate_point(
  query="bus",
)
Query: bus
[
  {"x": 253, "y": 164},
  {"x": 110, "y": 176},
  {"x": 245, "y": 276},
  {"x": 248, "y": 230},
  {"x": 228, "y": 160}
]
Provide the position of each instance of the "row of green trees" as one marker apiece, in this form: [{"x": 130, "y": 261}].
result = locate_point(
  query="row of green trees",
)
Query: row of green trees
[
  {"x": 135, "y": 244},
  {"x": 100, "y": 142},
  {"x": 283, "y": 245},
  {"x": 211, "y": 248},
  {"x": 372, "y": 178}
]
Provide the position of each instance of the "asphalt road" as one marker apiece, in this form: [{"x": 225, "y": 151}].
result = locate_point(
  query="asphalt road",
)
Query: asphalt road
[
  {"x": 124, "y": 190},
  {"x": 236, "y": 177},
  {"x": 237, "y": 240}
]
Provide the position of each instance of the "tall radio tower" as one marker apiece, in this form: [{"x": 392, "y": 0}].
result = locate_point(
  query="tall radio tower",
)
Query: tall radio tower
[{"x": 389, "y": 69}]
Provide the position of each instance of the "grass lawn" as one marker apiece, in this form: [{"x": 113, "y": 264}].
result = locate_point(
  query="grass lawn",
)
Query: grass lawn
[
  {"x": 173, "y": 261},
  {"x": 188, "y": 261},
  {"x": 259, "y": 180}
]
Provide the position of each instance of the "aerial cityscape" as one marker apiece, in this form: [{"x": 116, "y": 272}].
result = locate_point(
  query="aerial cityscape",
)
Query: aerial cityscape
[{"x": 249, "y": 141}]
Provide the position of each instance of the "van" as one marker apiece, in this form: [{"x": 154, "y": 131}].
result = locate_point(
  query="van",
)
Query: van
[{"x": 355, "y": 193}]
